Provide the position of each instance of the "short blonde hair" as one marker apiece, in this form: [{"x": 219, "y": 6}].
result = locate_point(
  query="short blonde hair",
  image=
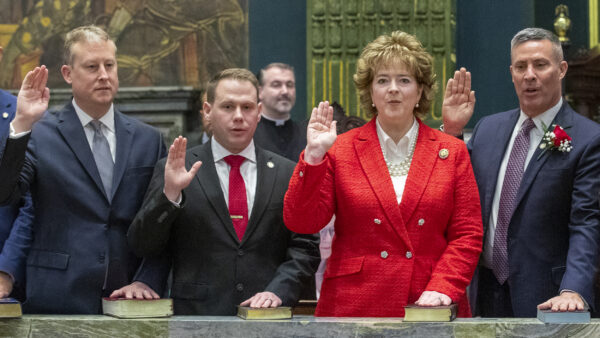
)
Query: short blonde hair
[
  {"x": 89, "y": 33},
  {"x": 387, "y": 50}
]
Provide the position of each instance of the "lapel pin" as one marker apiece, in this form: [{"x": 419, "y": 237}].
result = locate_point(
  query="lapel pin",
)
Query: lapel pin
[
  {"x": 444, "y": 153},
  {"x": 5, "y": 115},
  {"x": 270, "y": 164}
]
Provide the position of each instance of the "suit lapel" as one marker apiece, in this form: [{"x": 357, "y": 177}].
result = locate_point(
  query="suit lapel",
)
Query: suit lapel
[
  {"x": 425, "y": 155},
  {"x": 69, "y": 126},
  {"x": 124, "y": 135},
  {"x": 370, "y": 158},
  {"x": 209, "y": 182},
  {"x": 563, "y": 118},
  {"x": 265, "y": 182},
  {"x": 496, "y": 150}
]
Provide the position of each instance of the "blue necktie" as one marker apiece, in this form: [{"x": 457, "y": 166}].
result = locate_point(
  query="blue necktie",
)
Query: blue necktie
[{"x": 103, "y": 157}]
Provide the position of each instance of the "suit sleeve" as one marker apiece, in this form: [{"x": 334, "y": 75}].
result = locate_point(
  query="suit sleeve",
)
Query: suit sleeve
[
  {"x": 464, "y": 235},
  {"x": 16, "y": 247},
  {"x": 309, "y": 202},
  {"x": 16, "y": 169},
  {"x": 302, "y": 260},
  {"x": 584, "y": 225},
  {"x": 150, "y": 231},
  {"x": 154, "y": 272}
]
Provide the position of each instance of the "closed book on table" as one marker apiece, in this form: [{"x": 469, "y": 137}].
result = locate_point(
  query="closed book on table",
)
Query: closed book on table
[
  {"x": 137, "y": 308},
  {"x": 443, "y": 313},
  {"x": 549, "y": 316},
  {"x": 10, "y": 308},
  {"x": 282, "y": 312}
]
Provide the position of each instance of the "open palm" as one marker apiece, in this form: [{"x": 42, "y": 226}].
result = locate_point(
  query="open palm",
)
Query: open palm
[{"x": 320, "y": 134}]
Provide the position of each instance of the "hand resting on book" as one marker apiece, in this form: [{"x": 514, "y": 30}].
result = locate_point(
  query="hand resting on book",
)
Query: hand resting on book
[
  {"x": 263, "y": 299},
  {"x": 433, "y": 298},
  {"x": 566, "y": 301},
  {"x": 135, "y": 290}
]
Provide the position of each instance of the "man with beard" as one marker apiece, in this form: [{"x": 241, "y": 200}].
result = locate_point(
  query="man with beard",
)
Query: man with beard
[{"x": 276, "y": 131}]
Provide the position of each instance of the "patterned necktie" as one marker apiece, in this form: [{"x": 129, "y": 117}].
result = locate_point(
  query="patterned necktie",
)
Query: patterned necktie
[
  {"x": 510, "y": 187},
  {"x": 238, "y": 205},
  {"x": 103, "y": 157}
]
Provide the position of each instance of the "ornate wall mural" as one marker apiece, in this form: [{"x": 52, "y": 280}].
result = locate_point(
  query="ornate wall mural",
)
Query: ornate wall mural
[{"x": 159, "y": 42}]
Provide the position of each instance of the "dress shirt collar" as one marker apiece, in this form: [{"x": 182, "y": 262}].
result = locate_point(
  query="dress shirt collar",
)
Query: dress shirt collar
[
  {"x": 546, "y": 117},
  {"x": 108, "y": 120},
  {"x": 278, "y": 122},
  {"x": 396, "y": 152},
  {"x": 219, "y": 152}
]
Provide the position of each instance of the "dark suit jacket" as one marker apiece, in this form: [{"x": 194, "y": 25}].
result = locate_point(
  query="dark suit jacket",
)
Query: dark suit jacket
[
  {"x": 554, "y": 232},
  {"x": 15, "y": 219},
  {"x": 212, "y": 270},
  {"x": 79, "y": 232}
]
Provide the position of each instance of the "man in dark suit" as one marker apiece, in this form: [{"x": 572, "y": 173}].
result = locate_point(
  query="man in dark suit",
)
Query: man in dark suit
[
  {"x": 15, "y": 220},
  {"x": 222, "y": 255},
  {"x": 87, "y": 167},
  {"x": 539, "y": 198},
  {"x": 276, "y": 131}
]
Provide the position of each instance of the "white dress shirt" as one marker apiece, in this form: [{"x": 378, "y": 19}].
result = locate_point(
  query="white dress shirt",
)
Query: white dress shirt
[
  {"x": 397, "y": 152},
  {"x": 535, "y": 137},
  {"x": 247, "y": 169},
  {"x": 107, "y": 127}
]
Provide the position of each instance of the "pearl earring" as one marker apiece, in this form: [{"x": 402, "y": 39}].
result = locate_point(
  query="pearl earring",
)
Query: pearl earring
[
  {"x": 373, "y": 105},
  {"x": 417, "y": 105}
]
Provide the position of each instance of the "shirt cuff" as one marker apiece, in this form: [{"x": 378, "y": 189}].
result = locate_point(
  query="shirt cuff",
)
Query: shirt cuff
[
  {"x": 14, "y": 135},
  {"x": 177, "y": 202}
]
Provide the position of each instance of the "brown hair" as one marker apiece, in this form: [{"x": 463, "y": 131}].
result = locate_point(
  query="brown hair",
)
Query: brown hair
[
  {"x": 387, "y": 50},
  {"x": 239, "y": 74},
  {"x": 89, "y": 33}
]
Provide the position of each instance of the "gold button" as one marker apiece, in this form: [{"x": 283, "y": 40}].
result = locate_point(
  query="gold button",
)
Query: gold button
[
  {"x": 384, "y": 254},
  {"x": 408, "y": 254},
  {"x": 377, "y": 221},
  {"x": 5, "y": 115},
  {"x": 270, "y": 164},
  {"x": 421, "y": 221},
  {"x": 301, "y": 174}
]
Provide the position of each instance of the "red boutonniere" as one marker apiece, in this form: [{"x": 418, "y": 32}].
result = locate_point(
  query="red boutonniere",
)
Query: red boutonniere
[{"x": 557, "y": 138}]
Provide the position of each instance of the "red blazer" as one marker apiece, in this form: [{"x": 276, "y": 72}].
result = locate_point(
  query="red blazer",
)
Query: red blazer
[{"x": 384, "y": 255}]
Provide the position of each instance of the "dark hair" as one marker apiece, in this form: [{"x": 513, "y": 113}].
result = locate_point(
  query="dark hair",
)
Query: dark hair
[{"x": 239, "y": 74}]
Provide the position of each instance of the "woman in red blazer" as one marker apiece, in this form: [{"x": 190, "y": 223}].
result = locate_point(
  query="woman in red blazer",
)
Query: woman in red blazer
[{"x": 408, "y": 221}]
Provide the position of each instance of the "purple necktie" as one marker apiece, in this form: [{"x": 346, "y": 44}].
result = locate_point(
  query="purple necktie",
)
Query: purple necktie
[
  {"x": 510, "y": 187},
  {"x": 238, "y": 204}
]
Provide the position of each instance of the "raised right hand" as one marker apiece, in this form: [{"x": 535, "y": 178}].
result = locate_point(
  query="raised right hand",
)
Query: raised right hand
[
  {"x": 177, "y": 177},
  {"x": 459, "y": 102},
  {"x": 320, "y": 134},
  {"x": 137, "y": 290},
  {"x": 32, "y": 100}
]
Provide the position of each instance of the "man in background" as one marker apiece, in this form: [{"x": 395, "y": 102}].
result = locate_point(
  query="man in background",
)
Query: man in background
[{"x": 276, "y": 130}]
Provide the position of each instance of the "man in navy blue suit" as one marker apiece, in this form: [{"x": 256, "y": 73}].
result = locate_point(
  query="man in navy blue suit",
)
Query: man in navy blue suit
[
  {"x": 15, "y": 220},
  {"x": 87, "y": 167},
  {"x": 539, "y": 198}
]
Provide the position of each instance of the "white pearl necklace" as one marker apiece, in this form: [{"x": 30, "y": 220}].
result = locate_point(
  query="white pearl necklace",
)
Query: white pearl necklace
[{"x": 402, "y": 168}]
